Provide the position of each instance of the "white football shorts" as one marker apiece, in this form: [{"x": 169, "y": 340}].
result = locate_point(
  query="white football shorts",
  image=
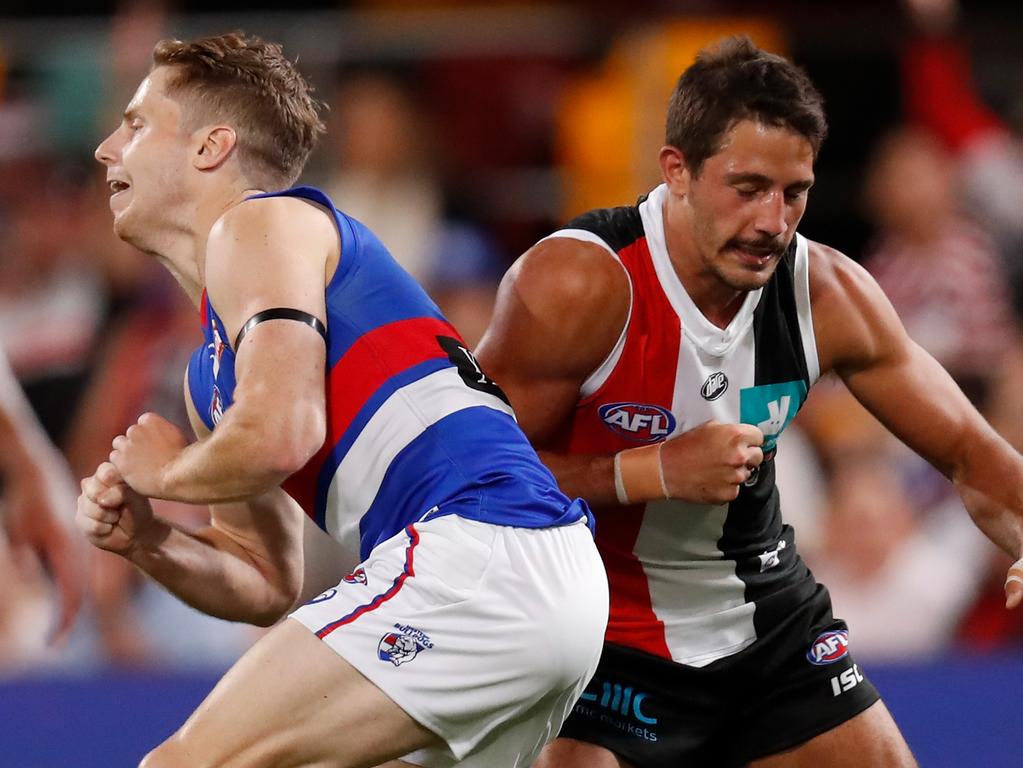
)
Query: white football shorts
[{"x": 484, "y": 634}]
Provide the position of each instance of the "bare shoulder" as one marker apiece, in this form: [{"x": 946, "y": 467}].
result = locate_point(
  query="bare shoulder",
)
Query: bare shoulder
[
  {"x": 268, "y": 252},
  {"x": 852, "y": 318},
  {"x": 833, "y": 274},
  {"x": 567, "y": 279},
  {"x": 563, "y": 302},
  {"x": 272, "y": 220}
]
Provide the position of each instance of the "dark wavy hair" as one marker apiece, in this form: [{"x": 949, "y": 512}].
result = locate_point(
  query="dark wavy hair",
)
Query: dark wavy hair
[{"x": 733, "y": 81}]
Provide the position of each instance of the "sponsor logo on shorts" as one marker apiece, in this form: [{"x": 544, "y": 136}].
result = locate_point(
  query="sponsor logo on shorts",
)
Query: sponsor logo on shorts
[
  {"x": 358, "y": 576},
  {"x": 849, "y": 678},
  {"x": 640, "y": 422},
  {"x": 619, "y": 706},
  {"x": 714, "y": 386},
  {"x": 771, "y": 558},
  {"x": 829, "y": 647},
  {"x": 403, "y": 645}
]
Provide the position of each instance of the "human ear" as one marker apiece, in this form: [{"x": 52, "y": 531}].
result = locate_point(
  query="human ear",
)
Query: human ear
[
  {"x": 674, "y": 169},
  {"x": 215, "y": 146}
]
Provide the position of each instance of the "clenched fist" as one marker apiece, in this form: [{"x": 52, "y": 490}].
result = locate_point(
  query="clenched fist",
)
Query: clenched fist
[
  {"x": 708, "y": 464},
  {"x": 143, "y": 453},
  {"x": 110, "y": 514}
]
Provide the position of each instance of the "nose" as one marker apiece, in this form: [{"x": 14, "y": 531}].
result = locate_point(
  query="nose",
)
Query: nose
[
  {"x": 770, "y": 219},
  {"x": 105, "y": 152}
]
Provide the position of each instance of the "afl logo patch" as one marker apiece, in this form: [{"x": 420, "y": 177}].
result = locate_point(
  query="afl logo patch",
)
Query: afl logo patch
[
  {"x": 714, "y": 386},
  {"x": 641, "y": 422},
  {"x": 829, "y": 647}
]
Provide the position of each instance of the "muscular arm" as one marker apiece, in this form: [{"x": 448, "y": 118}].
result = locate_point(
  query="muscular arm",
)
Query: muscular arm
[
  {"x": 245, "y": 566},
  {"x": 248, "y": 564},
  {"x": 860, "y": 337},
  {"x": 262, "y": 254},
  {"x": 559, "y": 312}
]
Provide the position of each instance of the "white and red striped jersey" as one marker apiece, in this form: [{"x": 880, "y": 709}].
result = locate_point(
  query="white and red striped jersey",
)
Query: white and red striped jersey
[{"x": 695, "y": 583}]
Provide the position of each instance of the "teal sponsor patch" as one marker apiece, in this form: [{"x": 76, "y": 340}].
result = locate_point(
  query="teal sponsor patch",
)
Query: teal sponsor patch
[{"x": 770, "y": 407}]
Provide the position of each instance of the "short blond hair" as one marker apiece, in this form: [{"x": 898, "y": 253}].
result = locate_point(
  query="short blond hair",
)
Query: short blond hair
[{"x": 250, "y": 84}]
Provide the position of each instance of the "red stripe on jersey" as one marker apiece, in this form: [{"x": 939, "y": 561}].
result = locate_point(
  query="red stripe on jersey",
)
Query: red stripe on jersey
[
  {"x": 631, "y": 621},
  {"x": 203, "y": 310},
  {"x": 644, "y": 374},
  {"x": 374, "y": 358},
  {"x": 369, "y": 362}
]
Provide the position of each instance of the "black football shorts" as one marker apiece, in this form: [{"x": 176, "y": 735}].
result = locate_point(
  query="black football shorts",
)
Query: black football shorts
[{"x": 797, "y": 682}]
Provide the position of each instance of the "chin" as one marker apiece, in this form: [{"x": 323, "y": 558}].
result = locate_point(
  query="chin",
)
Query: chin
[
  {"x": 125, "y": 229},
  {"x": 746, "y": 279}
]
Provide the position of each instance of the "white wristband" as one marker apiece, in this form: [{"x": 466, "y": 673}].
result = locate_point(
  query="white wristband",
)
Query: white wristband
[
  {"x": 1015, "y": 572},
  {"x": 623, "y": 497},
  {"x": 660, "y": 472},
  {"x": 634, "y": 475}
]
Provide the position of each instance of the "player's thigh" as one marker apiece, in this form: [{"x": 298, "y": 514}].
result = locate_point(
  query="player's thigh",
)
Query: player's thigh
[
  {"x": 572, "y": 753},
  {"x": 870, "y": 739},
  {"x": 292, "y": 701}
]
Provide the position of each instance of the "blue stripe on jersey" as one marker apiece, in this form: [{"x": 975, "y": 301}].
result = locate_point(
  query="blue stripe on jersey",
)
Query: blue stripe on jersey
[
  {"x": 370, "y": 407},
  {"x": 197, "y": 385},
  {"x": 513, "y": 488}
]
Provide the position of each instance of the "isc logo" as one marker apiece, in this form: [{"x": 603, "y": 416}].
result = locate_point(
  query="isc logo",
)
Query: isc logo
[
  {"x": 829, "y": 647},
  {"x": 641, "y": 422},
  {"x": 850, "y": 678}
]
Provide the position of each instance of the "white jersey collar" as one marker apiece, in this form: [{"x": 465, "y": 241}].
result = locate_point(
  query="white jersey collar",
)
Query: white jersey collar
[{"x": 697, "y": 328}]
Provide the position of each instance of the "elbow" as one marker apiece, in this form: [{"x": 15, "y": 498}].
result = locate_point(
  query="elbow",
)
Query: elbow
[
  {"x": 295, "y": 444},
  {"x": 277, "y": 603}
]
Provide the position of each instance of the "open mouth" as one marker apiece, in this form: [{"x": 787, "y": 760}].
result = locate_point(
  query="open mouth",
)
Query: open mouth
[
  {"x": 755, "y": 255},
  {"x": 118, "y": 186}
]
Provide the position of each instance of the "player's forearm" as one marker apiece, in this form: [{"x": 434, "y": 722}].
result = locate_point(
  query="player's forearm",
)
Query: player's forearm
[
  {"x": 245, "y": 456},
  {"x": 989, "y": 477},
  {"x": 211, "y": 572},
  {"x": 589, "y": 476}
]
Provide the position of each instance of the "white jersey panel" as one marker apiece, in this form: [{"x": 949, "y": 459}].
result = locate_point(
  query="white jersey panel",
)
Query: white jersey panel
[
  {"x": 596, "y": 379},
  {"x": 402, "y": 418},
  {"x": 702, "y": 606},
  {"x": 801, "y": 284}
]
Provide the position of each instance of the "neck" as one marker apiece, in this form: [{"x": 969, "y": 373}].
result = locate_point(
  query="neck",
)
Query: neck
[
  {"x": 718, "y": 302},
  {"x": 182, "y": 247}
]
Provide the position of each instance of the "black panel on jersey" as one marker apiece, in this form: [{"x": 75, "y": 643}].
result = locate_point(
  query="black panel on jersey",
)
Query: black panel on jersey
[
  {"x": 778, "y": 342},
  {"x": 774, "y": 582},
  {"x": 618, "y": 227}
]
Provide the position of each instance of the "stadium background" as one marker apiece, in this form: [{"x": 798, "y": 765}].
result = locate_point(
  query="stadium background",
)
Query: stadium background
[{"x": 468, "y": 130}]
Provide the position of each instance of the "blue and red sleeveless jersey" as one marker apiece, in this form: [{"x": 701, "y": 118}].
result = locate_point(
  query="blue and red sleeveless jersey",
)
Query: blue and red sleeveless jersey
[{"x": 414, "y": 428}]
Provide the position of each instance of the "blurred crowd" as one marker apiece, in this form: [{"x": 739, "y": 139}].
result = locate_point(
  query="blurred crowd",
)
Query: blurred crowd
[{"x": 459, "y": 163}]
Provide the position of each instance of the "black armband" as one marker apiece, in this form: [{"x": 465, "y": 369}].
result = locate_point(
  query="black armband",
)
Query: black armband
[{"x": 281, "y": 313}]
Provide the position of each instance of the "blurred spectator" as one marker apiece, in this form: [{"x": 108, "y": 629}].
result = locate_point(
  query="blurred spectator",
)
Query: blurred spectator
[
  {"x": 943, "y": 276},
  {"x": 901, "y": 581},
  {"x": 941, "y": 96},
  {"x": 386, "y": 177},
  {"x": 52, "y": 299},
  {"x": 38, "y": 501}
]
